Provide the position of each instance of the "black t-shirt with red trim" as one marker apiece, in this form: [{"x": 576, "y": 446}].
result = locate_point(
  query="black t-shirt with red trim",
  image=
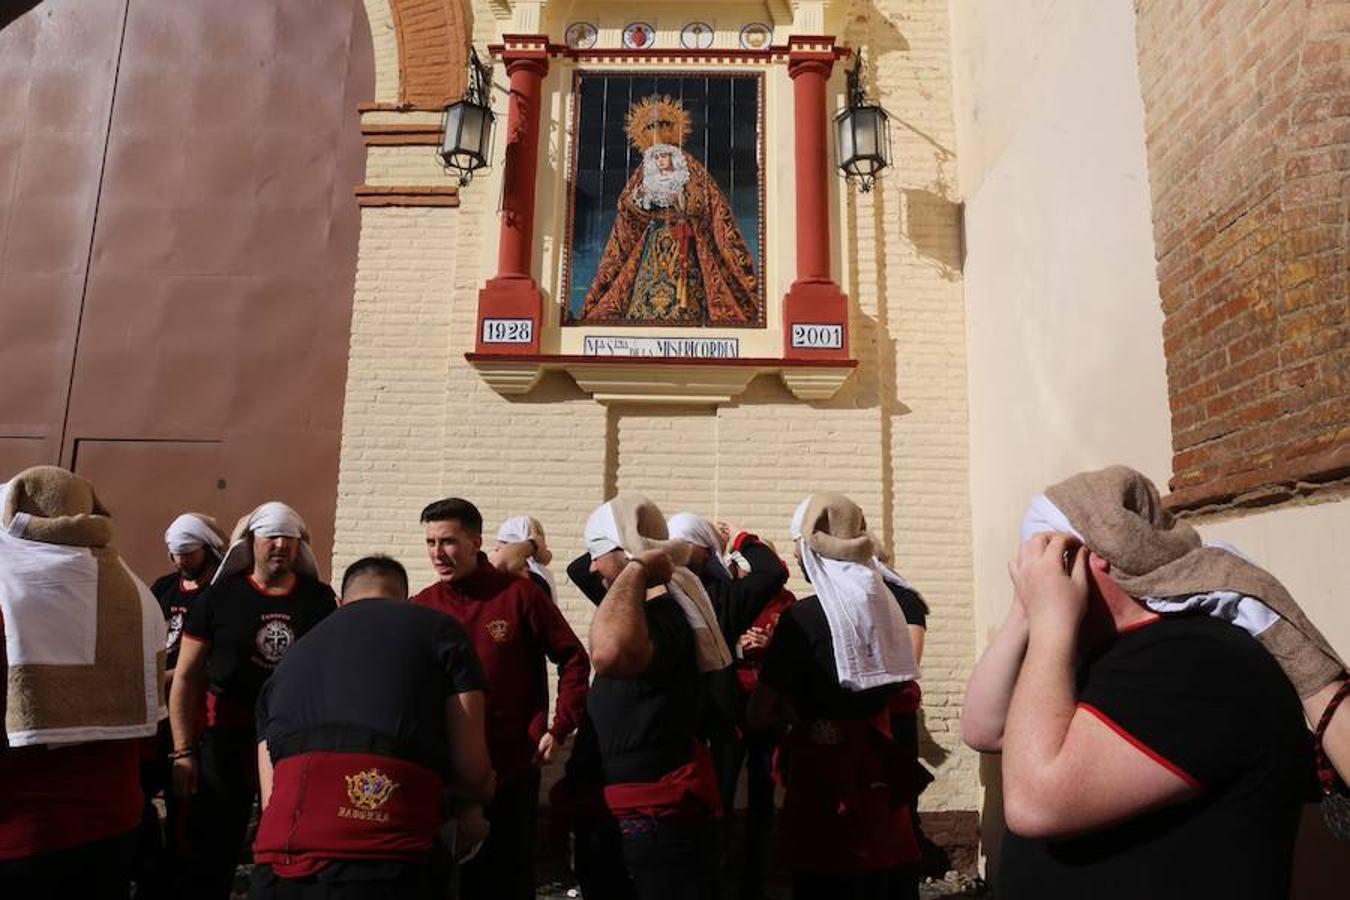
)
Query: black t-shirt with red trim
[
  {"x": 174, "y": 601},
  {"x": 250, "y": 631},
  {"x": 1204, "y": 699}
]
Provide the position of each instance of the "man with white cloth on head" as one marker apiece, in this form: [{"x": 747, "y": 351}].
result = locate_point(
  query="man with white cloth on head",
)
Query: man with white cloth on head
[
  {"x": 195, "y": 544},
  {"x": 1150, "y": 746},
  {"x": 84, "y": 659},
  {"x": 263, "y": 598},
  {"x": 837, "y": 666},
  {"x": 640, "y": 785},
  {"x": 513, "y": 536}
]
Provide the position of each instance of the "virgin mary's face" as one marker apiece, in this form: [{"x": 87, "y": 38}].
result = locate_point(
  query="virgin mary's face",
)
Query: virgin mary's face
[{"x": 665, "y": 162}]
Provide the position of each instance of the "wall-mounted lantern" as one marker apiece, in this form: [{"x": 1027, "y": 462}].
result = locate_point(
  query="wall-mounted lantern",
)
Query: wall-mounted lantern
[
  {"x": 862, "y": 135},
  {"x": 467, "y": 144}
]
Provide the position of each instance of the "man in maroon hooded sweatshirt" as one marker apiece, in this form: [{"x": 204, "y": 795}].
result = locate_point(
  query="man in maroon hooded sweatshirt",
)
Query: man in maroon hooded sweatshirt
[{"x": 513, "y": 625}]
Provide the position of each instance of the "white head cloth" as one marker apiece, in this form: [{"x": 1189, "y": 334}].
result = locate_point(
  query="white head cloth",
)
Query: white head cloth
[
  {"x": 1247, "y": 613},
  {"x": 190, "y": 532},
  {"x": 867, "y": 627},
  {"x": 602, "y": 532},
  {"x": 614, "y": 526},
  {"x": 517, "y": 529},
  {"x": 698, "y": 531},
  {"x": 272, "y": 519}
]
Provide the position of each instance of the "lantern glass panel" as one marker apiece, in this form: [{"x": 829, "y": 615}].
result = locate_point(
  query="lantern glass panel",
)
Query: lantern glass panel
[
  {"x": 454, "y": 118},
  {"x": 844, "y": 138},
  {"x": 865, "y": 130}
]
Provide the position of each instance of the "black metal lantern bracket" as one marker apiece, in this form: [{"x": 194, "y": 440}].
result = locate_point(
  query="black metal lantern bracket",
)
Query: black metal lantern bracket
[
  {"x": 862, "y": 134},
  {"x": 466, "y": 146}
]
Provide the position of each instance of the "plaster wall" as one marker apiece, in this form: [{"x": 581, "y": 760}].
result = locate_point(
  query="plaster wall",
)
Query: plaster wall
[{"x": 1064, "y": 326}]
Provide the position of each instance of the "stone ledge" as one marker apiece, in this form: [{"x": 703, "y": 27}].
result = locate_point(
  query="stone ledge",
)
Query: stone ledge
[
  {"x": 1299, "y": 478},
  {"x": 406, "y": 195},
  {"x": 662, "y": 380}
]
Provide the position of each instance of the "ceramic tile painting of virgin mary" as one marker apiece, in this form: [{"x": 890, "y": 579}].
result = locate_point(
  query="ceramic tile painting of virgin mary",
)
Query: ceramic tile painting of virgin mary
[{"x": 675, "y": 251}]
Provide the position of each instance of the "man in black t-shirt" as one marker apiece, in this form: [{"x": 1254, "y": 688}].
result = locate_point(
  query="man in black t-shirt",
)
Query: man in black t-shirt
[
  {"x": 639, "y": 784},
  {"x": 1171, "y": 761},
  {"x": 263, "y": 598},
  {"x": 365, "y": 730},
  {"x": 195, "y": 544}
]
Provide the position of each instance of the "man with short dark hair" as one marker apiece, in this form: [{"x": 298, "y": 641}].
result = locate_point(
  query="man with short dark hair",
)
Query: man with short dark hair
[
  {"x": 374, "y": 577},
  {"x": 370, "y": 732},
  {"x": 514, "y": 627},
  {"x": 264, "y": 597}
]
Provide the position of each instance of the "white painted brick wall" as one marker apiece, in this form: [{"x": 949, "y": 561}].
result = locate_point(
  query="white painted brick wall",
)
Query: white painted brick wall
[{"x": 420, "y": 424}]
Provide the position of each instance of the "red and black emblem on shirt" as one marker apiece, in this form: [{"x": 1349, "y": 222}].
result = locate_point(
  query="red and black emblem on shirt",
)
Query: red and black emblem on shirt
[{"x": 499, "y": 630}]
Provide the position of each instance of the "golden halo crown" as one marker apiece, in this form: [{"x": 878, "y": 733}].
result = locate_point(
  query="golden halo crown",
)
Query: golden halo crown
[{"x": 657, "y": 120}]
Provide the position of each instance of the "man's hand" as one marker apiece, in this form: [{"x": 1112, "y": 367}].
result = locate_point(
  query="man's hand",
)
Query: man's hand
[
  {"x": 657, "y": 567},
  {"x": 1050, "y": 581},
  {"x": 185, "y": 777},
  {"x": 513, "y": 558},
  {"x": 549, "y": 747},
  {"x": 754, "y": 639}
]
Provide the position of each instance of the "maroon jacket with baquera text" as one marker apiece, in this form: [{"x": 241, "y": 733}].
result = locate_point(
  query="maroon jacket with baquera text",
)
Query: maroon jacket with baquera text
[{"x": 514, "y": 626}]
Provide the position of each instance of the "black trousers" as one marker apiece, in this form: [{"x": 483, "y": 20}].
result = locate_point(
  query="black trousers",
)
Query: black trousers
[
  {"x": 217, "y": 815},
  {"x": 99, "y": 870},
  {"x": 755, "y": 754},
  {"x": 155, "y": 871},
  {"x": 646, "y": 859},
  {"x": 893, "y": 884},
  {"x": 504, "y": 867},
  {"x": 350, "y": 882}
]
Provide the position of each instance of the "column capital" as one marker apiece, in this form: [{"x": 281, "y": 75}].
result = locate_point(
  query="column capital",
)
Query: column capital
[
  {"x": 527, "y": 51},
  {"x": 812, "y": 54}
]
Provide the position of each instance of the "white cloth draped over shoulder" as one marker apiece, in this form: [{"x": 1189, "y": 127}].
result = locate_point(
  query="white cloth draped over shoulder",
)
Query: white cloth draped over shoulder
[
  {"x": 84, "y": 637},
  {"x": 871, "y": 639}
]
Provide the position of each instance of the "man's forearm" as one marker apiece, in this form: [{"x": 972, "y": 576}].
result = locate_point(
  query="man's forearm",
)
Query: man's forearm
[
  {"x": 1043, "y": 705},
  {"x": 620, "y": 644},
  {"x": 185, "y": 702},
  {"x": 1336, "y": 740},
  {"x": 984, "y": 714}
]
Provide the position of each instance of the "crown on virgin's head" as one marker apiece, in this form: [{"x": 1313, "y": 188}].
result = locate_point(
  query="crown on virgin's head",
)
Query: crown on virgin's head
[{"x": 657, "y": 120}]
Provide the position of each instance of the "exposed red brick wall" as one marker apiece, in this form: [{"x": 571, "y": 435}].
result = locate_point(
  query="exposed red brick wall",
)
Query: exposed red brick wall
[
  {"x": 1247, "y": 112},
  {"x": 433, "y": 51}
]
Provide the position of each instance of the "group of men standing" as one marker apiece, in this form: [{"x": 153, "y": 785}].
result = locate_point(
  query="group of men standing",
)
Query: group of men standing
[
  {"x": 395, "y": 743},
  {"x": 1148, "y": 743}
]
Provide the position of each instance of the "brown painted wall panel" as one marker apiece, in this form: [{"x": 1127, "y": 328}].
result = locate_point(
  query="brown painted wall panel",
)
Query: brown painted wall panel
[
  {"x": 131, "y": 476},
  {"x": 218, "y": 300},
  {"x": 57, "y": 64}
]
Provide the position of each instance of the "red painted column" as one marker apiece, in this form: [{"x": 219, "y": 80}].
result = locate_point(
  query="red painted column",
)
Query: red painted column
[
  {"x": 511, "y": 297},
  {"x": 814, "y": 303}
]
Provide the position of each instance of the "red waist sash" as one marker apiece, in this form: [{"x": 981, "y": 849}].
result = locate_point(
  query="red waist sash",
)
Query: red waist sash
[
  {"x": 846, "y": 808},
  {"x": 690, "y": 790},
  {"x": 354, "y": 806}
]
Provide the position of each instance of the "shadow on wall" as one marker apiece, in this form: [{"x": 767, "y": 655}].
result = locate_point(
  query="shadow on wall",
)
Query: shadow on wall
[{"x": 935, "y": 225}]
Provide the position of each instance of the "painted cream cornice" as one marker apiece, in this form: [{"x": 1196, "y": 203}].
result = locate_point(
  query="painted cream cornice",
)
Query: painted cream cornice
[{"x": 665, "y": 382}]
